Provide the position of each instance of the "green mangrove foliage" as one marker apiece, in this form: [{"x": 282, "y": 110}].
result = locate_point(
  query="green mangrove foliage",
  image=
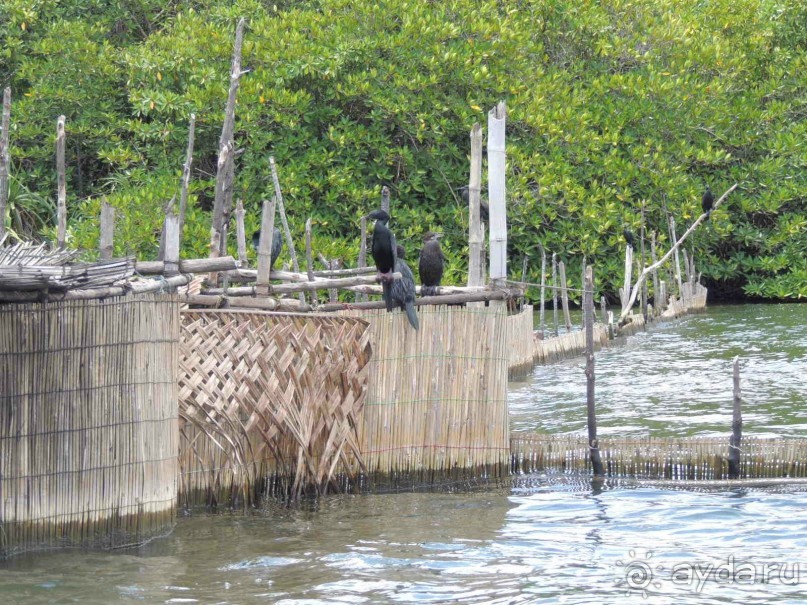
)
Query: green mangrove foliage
[{"x": 617, "y": 109}]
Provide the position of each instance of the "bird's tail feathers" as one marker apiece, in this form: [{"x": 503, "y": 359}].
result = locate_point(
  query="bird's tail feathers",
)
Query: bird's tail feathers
[
  {"x": 412, "y": 315},
  {"x": 386, "y": 289}
]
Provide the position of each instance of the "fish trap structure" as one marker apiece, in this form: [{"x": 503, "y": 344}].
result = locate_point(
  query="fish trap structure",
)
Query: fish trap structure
[
  {"x": 674, "y": 458},
  {"x": 88, "y": 422}
]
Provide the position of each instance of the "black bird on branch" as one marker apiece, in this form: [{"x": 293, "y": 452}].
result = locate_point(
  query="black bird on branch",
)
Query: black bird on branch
[
  {"x": 277, "y": 244},
  {"x": 707, "y": 202},
  {"x": 431, "y": 264},
  {"x": 383, "y": 249},
  {"x": 629, "y": 237},
  {"x": 403, "y": 290}
]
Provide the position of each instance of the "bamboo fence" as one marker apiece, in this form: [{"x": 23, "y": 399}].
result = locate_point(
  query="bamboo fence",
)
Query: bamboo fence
[
  {"x": 567, "y": 345},
  {"x": 268, "y": 401},
  {"x": 520, "y": 342},
  {"x": 88, "y": 423},
  {"x": 436, "y": 406},
  {"x": 679, "y": 458}
]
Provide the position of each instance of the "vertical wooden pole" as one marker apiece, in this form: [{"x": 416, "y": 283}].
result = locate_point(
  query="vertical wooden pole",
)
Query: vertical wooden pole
[
  {"x": 476, "y": 238},
  {"x": 362, "y": 256},
  {"x": 555, "y": 291},
  {"x": 564, "y": 296},
  {"x": 265, "y": 248},
  {"x": 5, "y": 159},
  {"x": 543, "y": 290},
  {"x": 186, "y": 177},
  {"x": 497, "y": 161},
  {"x": 604, "y": 310},
  {"x": 61, "y": 208},
  {"x": 282, "y": 208},
  {"x": 171, "y": 244},
  {"x": 673, "y": 239},
  {"x": 583, "y": 287},
  {"x": 385, "y": 200},
  {"x": 309, "y": 260},
  {"x": 240, "y": 233},
  {"x": 588, "y": 312},
  {"x": 625, "y": 292},
  {"x": 658, "y": 304},
  {"x": 106, "y": 244},
  {"x": 736, "y": 425},
  {"x": 224, "y": 167}
]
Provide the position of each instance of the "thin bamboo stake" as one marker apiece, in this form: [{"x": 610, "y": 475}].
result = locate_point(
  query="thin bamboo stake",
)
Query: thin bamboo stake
[
  {"x": 604, "y": 309},
  {"x": 186, "y": 176},
  {"x": 265, "y": 247},
  {"x": 583, "y": 290},
  {"x": 240, "y": 233},
  {"x": 736, "y": 425},
  {"x": 497, "y": 192},
  {"x": 61, "y": 209},
  {"x": 628, "y": 271},
  {"x": 223, "y": 196},
  {"x": 658, "y": 302},
  {"x": 564, "y": 296},
  {"x": 674, "y": 249},
  {"x": 171, "y": 230},
  {"x": 674, "y": 238},
  {"x": 281, "y": 207},
  {"x": 476, "y": 236},
  {"x": 543, "y": 290},
  {"x": 555, "y": 291},
  {"x": 5, "y": 159},
  {"x": 107, "y": 230},
  {"x": 588, "y": 311}
]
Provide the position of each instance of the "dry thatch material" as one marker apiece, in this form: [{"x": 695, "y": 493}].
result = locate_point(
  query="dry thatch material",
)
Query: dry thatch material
[
  {"x": 437, "y": 402},
  {"x": 680, "y": 458},
  {"x": 88, "y": 422},
  {"x": 268, "y": 395}
]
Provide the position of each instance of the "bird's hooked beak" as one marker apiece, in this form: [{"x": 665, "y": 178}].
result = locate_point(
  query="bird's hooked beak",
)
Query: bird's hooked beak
[{"x": 438, "y": 235}]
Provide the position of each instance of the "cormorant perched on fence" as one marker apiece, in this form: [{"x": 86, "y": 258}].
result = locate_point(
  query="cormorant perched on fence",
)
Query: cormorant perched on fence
[
  {"x": 277, "y": 244},
  {"x": 431, "y": 264},
  {"x": 707, "y": 201},
  {"x": 383, "y": 251},
  {"x": 629, "y": 237},
  {"x": 484, "y": 210},
  {"x": 403, "y": 290}
]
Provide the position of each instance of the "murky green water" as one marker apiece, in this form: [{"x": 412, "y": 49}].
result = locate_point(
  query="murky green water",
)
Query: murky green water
[{"x": 549, "y": 539}]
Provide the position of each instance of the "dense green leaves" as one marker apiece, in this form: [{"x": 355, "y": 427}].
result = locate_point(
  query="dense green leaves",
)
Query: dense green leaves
[{"x": 614, "y": 107}]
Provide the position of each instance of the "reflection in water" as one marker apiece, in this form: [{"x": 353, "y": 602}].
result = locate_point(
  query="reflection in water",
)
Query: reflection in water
[{"x": 549, "y": 539}]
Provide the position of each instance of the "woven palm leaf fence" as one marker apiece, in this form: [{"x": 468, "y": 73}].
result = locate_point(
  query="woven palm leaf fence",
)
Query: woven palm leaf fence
[
  {"x": 268, "y": 403},
  {"x": 436, "y": 407},
  {"x": 676, "y": 458},
  {"x": 88, "y": 422}
]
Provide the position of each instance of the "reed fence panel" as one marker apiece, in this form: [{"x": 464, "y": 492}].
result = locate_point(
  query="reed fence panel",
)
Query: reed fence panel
[
  {"x": 521, "y": 341},
  {"x": 437, "y": 403},
  {"x": 88, "y": 422},
  {"x": 676, "y": 458}
]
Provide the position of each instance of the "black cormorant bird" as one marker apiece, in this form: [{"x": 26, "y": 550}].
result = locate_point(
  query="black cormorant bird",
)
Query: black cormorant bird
[
  {"x": 484, "y": 210},
  {"x": 629, "y": 237},
  {"x": 403, "y": 290},
  {"x": 277, "y": 244},
  {"x": 431, "y": 264},
  {"x": 383, "y": 251},
  {"x": 707, "y": 201}
]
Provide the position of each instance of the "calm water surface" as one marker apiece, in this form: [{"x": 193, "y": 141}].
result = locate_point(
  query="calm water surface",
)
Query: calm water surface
[{"x": 548, "y": 539}]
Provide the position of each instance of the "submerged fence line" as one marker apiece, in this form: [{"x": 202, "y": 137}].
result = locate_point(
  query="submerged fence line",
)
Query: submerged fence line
[{"x": 677, "y": 458}]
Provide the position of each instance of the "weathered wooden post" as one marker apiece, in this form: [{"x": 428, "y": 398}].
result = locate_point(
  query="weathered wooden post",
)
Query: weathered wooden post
[
  {"x": 107, "y": 239},
  {"x": 385, "y": 200},
  {"x": 171, "y": 230},
  {"x": 309, "y": 260},
  {"x": 476, "y": 236},
  {"x": 658, "y": 302},
  {"x": 736, "y": 425},
  {"x": 362, "y": 297},
  {"x": 625, "y": 291},
  {"x": 224, "y": 167},
  {"x": 240, "y": 233},
  {"x": 5, "y": 159},
  {"x": 582, "y": 288},
  {"x": 555, "y": 290},
  {"x": 673, "y": 239},
  {"x": 186, "y": 176},
  {"x": 282, "y": 208},
  {"x": 262, "y": 287},
  {"x": 61, "y": 208},
  {"x": 588, "y": 312},
  {"x": 543, "y": 289},
  {"x": 497, "y": 195},
  {"x": 604, "y": 310},
  {"x": 564, "y": 296}
]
